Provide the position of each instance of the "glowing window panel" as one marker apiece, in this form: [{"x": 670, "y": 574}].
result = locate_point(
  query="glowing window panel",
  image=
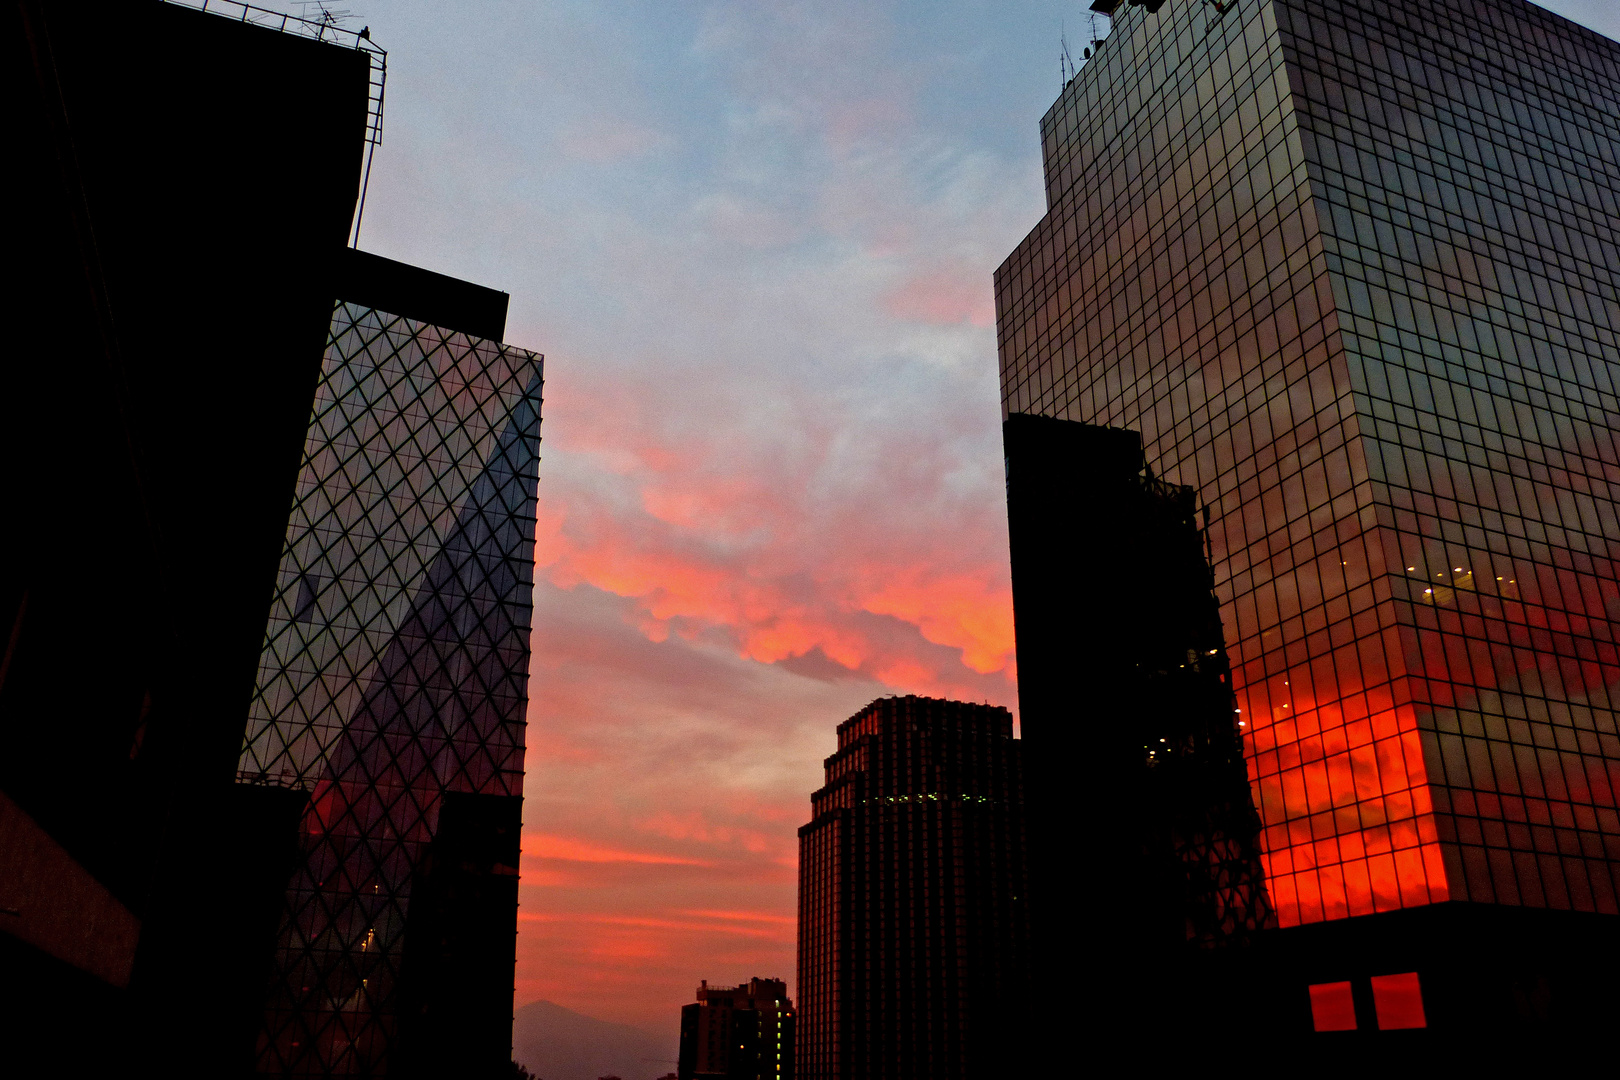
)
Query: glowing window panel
[
  {"x": 1398, "y": 1001},
  {"x": 1333, "y": 1007}
]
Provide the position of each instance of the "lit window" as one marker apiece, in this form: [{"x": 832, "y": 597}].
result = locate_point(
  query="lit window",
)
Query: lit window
[
  {"x": 1332, "y": 1007},
  {"x": 1398, "y": 1000}
]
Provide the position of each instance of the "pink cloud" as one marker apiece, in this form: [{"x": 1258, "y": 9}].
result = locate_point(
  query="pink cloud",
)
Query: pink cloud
[
  {"x": 711, "y": 545},
  {"x": 943, "y": 298}
]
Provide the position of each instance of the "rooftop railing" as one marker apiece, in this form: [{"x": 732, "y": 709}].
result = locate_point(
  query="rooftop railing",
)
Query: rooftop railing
[{"x": 324, "y": 28}]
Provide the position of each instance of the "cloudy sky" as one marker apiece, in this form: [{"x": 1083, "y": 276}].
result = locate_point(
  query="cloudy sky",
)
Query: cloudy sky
[{"x": 754, "y": 241}]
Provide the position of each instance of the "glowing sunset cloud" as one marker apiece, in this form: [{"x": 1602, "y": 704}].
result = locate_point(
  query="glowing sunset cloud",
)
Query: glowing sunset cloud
[{"x": 541, "y": 846}]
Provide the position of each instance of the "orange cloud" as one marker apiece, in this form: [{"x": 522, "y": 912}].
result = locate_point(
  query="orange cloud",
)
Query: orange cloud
[
  {"x": 745, "y": 916},
  {"x": 967, "y": 613},
  {"x": 714, "y": 923},
  {"x": 543, "y": 846},
  {"x": 769, "y": 616}
]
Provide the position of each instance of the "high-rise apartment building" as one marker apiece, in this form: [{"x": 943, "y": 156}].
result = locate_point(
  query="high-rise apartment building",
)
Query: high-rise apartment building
[
  {"x": 743, "y": 1032},
  {"x": 1348, "y": 267},
  {"x": 912, "y": 907}
]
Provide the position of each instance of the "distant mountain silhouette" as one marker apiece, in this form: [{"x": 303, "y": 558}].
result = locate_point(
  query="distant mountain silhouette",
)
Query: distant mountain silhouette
[{"x": 560, "y": 1044}]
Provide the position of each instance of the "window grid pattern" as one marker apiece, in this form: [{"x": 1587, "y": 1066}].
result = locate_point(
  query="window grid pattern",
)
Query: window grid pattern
[
  {"x": 1464, "y": 160},
  {"x": 912, "y": 924},
  {"x": 1189, "y": 281},
  {"x": 395, "y": 665}
]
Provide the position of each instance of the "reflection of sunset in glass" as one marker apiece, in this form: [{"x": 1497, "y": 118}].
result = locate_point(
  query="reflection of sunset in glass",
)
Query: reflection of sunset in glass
[{"x": 1405, "y": 439}]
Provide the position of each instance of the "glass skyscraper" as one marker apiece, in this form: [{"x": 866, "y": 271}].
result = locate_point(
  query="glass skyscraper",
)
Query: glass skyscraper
[
  {"x": 1350, "y": 269},
  {"x": 392, "y": 688}
]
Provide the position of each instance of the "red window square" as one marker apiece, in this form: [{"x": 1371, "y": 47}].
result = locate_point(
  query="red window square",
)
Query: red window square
[
  {"x": 1399, "y": 1001},
  {"x": 1332, "y": 1007}
]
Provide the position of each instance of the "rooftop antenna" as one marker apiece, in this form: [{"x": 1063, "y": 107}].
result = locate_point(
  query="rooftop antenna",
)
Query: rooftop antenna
[
  {"x": 1066, "y": 68},
  {"x": 324, "y": 16}
]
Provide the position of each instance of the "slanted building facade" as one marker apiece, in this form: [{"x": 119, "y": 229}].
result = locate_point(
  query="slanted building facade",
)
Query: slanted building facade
[
  {"x": 1125, "y": 689},
  {"x": 296, "y": 495},
  {"x": 186, "y": 184},
  {"x": 393, "y": 685}
]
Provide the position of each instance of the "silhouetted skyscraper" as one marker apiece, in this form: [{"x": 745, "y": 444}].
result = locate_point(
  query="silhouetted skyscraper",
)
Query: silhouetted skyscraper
[
  {"x": 743, "y": 1032},
  {"x": 1122, "y": 673},
  {"x": 912, "y": 921},
  {"x": 190, "y": 320},
  {"x": 183, "y": 187},
  {"x": 1346, "y": 266}
]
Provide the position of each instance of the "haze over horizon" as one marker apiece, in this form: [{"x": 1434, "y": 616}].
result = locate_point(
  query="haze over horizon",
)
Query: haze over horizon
[{"x": 755, "y": 242}]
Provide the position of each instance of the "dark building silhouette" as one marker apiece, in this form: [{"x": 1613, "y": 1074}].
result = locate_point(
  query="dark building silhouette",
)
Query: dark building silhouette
[
  {"x": 192, "y": 327},
  {"x": 1112, "y": 593},
  {"x": 912, "y": 909},
  {"x": 184, "y": 187},
  {"x": 743, "y": 1032},
  {"x": 1345, "y": 267}
]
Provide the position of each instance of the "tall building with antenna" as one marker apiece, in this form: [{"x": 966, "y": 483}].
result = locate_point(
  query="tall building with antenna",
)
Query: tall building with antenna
[
  {"x": 1348, "y": 268},
  {"x": 269, "y": 821}
]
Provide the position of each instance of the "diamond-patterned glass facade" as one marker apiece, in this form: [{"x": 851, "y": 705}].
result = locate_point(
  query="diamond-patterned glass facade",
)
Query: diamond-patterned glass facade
[{"x": 395, "y": 663}]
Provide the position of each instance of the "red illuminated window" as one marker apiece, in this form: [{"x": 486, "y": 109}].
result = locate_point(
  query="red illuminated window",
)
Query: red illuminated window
[
  {"x": 1332, "y": 1007},
  {"x": 1399, "y": 1001}
]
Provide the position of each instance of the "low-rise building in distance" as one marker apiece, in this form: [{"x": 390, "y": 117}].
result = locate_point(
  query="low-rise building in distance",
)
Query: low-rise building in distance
[{"x": 742, "y": 1032}]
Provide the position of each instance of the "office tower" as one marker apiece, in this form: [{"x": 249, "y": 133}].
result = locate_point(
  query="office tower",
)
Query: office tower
[
  {"x": 742, "y": 1032},
  {"x": 1122, "y": 667},
  {"x": 1347, "y": 268},
  {"x": 393, "y": 684},
  {"x": 912, "y": 920},
  {"x": 183, "y": 185}
]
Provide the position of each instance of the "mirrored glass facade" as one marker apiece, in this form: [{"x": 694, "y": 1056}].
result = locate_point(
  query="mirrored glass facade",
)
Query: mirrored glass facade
[
  {"x": 393, "y": 681},
  {"x": 1350, "y": 267}
]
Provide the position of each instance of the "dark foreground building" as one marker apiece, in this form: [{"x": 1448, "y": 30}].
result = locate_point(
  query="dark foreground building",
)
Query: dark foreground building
[
  {"x": 912, "y": 917},
  {"x": 743, "y": 1032},
  {"x": 192, "y": 326},
  {"x": 1122, "y": 666},
  {"x": 1348, "y": 267},
  {"x": 184, "y": 186}
]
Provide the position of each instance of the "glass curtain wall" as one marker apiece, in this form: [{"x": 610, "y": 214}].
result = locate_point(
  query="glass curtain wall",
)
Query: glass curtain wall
[
  {"x": 1349, "y": 268},
  {"x": 395, "y": 663}
]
